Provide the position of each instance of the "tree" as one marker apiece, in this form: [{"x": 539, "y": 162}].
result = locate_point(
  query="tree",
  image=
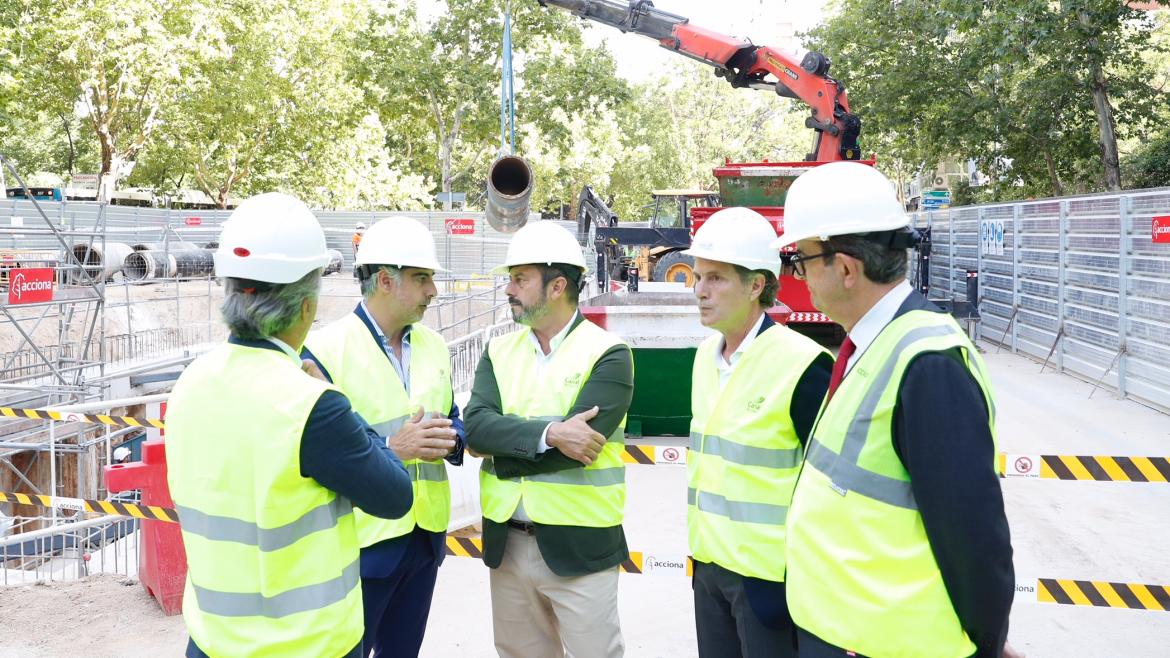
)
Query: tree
[
  {"x": 120, "y": 62},
  {"x": 679, "y": 127},
  {"x": 436, "y": 83},
  {"x": 269, "y": 100},
  {"x": 1033, "y": 90}
]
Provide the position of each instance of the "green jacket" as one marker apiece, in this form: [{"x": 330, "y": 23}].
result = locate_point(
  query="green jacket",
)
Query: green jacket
[{"x": 568, "y": 550}]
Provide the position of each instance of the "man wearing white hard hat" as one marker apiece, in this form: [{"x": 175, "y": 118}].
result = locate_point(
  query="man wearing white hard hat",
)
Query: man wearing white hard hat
[
  {"x": 756, "y": 390},
  {"x": 266, "y": 461},
  {"x": 397, "y": 374},
  {"x": 897, "y": 540},
  {"x": 548, "y": 409}
]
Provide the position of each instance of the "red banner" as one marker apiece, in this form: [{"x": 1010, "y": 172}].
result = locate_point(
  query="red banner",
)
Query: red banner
[
  {"x": 28, "y": 285},
  {"x": 193, "y": 221},
  {"x": 1160, "y": 230},
  {"x": 460, "y": 226}
]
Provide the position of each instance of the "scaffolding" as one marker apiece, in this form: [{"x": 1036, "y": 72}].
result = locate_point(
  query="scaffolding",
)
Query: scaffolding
[{"x": 52, "y": 343}]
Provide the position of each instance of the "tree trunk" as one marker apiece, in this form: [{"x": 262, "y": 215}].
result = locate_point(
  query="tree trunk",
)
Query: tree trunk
[
  {"x": 1057, "y": 188},
  {"x": 1110, "y": 162},
  {"x": 72, "y": 152},
  {"x": 106, "y": 175}
]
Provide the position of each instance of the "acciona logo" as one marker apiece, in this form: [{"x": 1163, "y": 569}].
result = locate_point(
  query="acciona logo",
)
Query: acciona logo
[
  {"x": 30, "y": 285},
  {"x": 1160, "y": 230}
]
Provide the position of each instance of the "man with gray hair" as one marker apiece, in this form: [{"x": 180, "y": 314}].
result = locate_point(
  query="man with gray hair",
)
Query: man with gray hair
[
  {"x": 266, "y": 461},
  {"x": 397, "y": 372}
]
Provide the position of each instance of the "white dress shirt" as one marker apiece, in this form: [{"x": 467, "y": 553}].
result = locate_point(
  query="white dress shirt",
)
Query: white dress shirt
[
  {"x": 871, "y": 324},
  {"x": 401, "y": 366},
  {"x": 727, "y": 366}
]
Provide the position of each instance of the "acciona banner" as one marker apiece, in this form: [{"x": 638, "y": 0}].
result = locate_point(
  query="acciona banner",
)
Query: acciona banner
[{"x": 29, "y": 285}]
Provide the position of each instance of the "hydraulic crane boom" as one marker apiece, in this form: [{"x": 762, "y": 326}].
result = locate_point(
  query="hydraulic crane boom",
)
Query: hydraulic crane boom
[{"x": 743, "y": 64}]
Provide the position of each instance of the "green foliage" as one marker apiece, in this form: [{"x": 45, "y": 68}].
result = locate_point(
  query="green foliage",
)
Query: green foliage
[
  {"x": 1031, "y": 89},
  {"x": 1149, "y": 166},
  {"x": 119, "y": 62}
]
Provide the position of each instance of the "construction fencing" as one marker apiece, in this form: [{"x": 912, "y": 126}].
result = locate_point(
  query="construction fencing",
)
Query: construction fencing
[
  {"x": 467, "y": 245},
  {"x": 1078, "y": 282}
]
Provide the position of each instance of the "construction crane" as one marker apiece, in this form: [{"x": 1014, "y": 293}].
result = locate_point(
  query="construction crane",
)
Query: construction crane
[{"x": 743, "y": 64}]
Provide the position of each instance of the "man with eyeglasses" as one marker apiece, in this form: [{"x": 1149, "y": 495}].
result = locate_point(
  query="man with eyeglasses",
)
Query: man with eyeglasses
[{"x": 897, "y": 540}]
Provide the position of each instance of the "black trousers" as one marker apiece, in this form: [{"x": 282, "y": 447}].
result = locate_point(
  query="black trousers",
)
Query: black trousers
[{"x": 728, "y": 621}]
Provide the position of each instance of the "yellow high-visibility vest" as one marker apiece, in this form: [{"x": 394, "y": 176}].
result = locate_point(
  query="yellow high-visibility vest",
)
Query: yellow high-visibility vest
[
  {"x": 272, "y": 557},
  {"x": 358, "y": 366},
  {"x": 745, "y": 455},
  {"x": 861, "y": 573},
  {"x": 592, "y": 496}
]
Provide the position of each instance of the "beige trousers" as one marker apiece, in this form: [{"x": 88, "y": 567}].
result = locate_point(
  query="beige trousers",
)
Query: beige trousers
[{"x": 538, "y": 614}]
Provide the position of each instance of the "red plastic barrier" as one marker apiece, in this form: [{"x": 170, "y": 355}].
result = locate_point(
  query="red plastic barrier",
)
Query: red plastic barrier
[{"x": 162, "y": 562}]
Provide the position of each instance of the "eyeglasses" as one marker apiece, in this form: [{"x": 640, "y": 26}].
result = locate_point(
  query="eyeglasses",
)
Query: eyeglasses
[{"x": 799, "y": 260}]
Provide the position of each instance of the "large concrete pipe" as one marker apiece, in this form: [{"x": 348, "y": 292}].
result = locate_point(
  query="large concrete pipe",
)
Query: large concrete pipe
[
  {"x": 186, "y": 264},
  {"x": 102, "y": 262},
  {"x": 193, "y": 263},
  {"x": 509, "y": 188},
  {"x": 148, "y": 265}
]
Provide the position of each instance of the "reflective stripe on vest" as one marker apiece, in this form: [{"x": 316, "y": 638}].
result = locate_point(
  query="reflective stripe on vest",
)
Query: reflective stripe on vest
[
  {"x": 356, "y": 362},
  {"x": 263, "y": 578},
  {"x": 861, "y": 573},
  {"x": 590, "y": 496},
  {"x": 745, "y": 454}
]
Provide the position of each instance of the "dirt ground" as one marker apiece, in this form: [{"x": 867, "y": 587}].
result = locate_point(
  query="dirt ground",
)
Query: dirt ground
[{"x": 101, "y": 616}]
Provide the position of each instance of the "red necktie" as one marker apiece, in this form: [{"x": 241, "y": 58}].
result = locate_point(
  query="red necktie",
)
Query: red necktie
[{"x": 847, "y": 348}]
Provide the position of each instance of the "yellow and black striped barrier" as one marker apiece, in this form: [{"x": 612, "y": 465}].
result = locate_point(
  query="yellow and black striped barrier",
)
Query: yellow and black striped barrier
[
  {"x": 1082, "y": 467},
  {"x": 69, "y": 416},
  {"x": 1046, "y": 467},
  {"x": 1099, "y": 594},
  {"x": 639, "y": 562},
  {"x": 1096, "y": 593},
  {"x": 464, "y": 546},
  {"x": 96, "y": 506},
  {"x": 650, "y": 455}
]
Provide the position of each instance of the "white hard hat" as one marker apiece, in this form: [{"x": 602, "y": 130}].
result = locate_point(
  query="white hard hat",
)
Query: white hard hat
[
  {"x": 271, "y": 237},
  {"x": 740, "y": 236},
  {"x": 401, "y": 242},
  {"x": 120, "y": 453},
  {"x": 360, "y": 225},
  {"x": 840, "y": 198},
  {"x": 542, "y": 242}
]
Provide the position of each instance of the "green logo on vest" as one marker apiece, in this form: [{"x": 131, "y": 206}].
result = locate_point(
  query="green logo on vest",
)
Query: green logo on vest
[
  {"x": 573, "y": 380},
  {"x": 755, "y": 405}
]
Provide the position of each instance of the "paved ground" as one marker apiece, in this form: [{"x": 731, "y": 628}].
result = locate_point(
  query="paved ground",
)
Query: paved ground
[
  {"x": 1078, "y": 530},
  {"x": 1111, "y": 531}
]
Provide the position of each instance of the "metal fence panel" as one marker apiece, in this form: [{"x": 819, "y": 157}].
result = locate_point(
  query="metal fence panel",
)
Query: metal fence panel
[
  {"x": 464, "y": 255},
  {"x": 1080, "y": 284}
]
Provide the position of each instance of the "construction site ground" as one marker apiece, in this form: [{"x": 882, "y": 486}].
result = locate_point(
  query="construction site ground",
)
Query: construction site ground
[{"x": 1102, "y": 531}]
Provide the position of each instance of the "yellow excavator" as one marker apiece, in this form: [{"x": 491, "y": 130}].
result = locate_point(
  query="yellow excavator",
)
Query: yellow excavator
[{"x": 654, "y": 247}]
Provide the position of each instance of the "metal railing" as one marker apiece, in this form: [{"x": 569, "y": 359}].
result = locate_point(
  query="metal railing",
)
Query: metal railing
[
  {"x": 107, "y": 544},
  {"x": 1076, "y": 282},
  {"x": 26, "y": 364},
  {"x": 466, "y": 352}
]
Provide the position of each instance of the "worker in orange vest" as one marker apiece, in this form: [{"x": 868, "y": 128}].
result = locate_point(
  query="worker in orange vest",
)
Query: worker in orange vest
[{"x": 358, "y": 232}]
